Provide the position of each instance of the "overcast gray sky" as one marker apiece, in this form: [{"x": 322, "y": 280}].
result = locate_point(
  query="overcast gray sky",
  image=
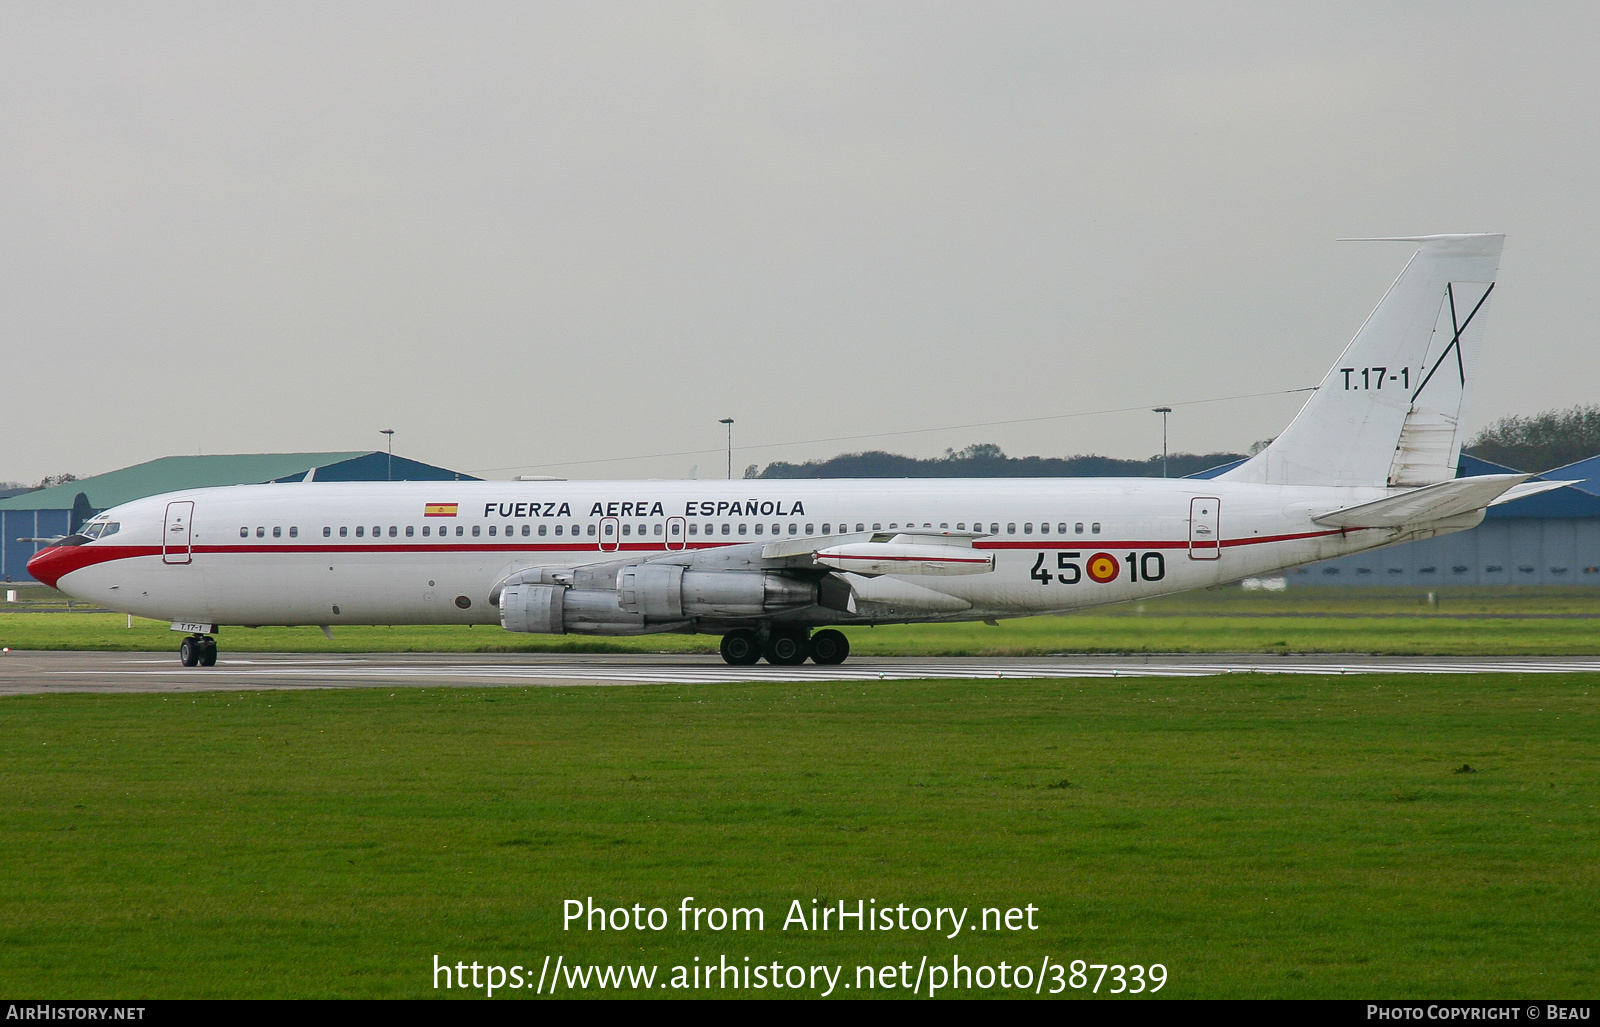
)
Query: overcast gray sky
[{"x": 530, "y": 235}]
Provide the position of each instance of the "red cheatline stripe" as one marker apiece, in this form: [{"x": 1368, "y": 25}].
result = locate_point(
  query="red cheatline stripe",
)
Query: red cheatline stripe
[{"x": 63, "y": 560}]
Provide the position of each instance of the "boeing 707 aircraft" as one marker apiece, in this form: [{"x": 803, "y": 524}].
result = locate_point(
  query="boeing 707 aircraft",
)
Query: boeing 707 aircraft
[{"x": 778, "y": 567}]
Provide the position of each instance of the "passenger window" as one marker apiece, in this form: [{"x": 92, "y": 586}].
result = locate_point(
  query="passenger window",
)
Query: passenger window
[
  {"x": 261, "y": 533},
  {"x": 658, "y": 530},
  {"x": 744, "y": 529},
  {"x": 475, "y": 530},
  {"x": 1078, "y": 528},
  {"x": 892, "y": 524},
  {"x": 861, "y": 527},
  {"x": 427, "y": 529},
  {"x": 877, "y": 526},
  {"x": 327, "y": 532},
  {"x": 376, "y": 531},
  {"x": 994, "y": 528},
  {"x": 1011, "y": 529},
  {"x": 825, "y": 529},
  {"x": 642, "y": 530},
  {"x": 526, "y": 528},
  {"x": 591, "y": 530},
  {"x": 1027, "y": 528},
  {"x": 1044, "y": 528},
  {"x": 961, "y": 525},
  {"x": 758, "y": 529},
  {"x": 361, "y": 531},
  {"x": 410, "y": 531},
  {"x": 727, "y": 529},
  {"x": 558, "y": 530},
  {"x": 944, "y": 525},
  {"x": 544, "y": 527},
  {"x": 627, "y": 529},
  {"x": 394, "y": 532},
  {"x": 694, "y": 529},
  {"x": 343, "y": 531},
  {"x": 294, "y": 532},
  {"x": 244, "y": 532},
  {"x": 462, "y": 530},
  {"x": 711, "y": 529},
  {"x": 677, "y": 529},
  {"x": 1094, "y": 529},
  {"x": 609, "y": 528},
  {"x": 1061, "y": 529}
]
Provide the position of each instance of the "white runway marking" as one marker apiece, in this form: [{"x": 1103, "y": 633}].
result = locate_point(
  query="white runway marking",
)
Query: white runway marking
[{"x": 23, "y": 673}]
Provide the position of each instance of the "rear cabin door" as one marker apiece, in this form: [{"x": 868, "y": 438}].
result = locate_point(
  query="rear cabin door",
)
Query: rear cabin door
[
  {"x": 676, "y": 537},
  {"x": 175, "y": 540},
  {"x": 1205, "y": 529},
  {"x": 610, "y": 534}
]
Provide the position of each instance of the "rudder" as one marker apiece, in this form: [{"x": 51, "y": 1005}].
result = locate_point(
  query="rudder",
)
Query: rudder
[{"x": 1389, "y": 412}]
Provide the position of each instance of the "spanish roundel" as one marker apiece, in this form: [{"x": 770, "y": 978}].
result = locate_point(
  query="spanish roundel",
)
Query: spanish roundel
[{"x": 1102, "y": 567}]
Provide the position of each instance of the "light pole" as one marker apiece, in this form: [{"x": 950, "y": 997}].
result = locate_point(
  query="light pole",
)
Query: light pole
[
  {"x": 729, "y": 422},
  {"x": 1163, "y": 411},
  {"x": 388, "y": 434}
]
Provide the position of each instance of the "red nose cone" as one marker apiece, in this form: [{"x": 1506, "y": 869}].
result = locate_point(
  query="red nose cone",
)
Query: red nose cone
[{"x": 48, "y": 565}]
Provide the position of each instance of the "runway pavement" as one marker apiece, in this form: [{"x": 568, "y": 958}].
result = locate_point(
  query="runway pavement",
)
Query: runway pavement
[{"x": 28, "y": 673}]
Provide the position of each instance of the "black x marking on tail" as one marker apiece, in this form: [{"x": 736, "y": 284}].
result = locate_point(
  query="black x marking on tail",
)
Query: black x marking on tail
[{"x": 1455, "y": 343}]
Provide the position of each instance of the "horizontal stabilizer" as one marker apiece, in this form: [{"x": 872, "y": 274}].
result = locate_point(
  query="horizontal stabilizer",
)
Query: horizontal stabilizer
[
  {"x": 1532, "y": 488},
  {"x": 1429, "y": 503}
]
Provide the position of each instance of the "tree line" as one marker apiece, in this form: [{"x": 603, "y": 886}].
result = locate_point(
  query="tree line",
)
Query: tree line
[
  {"x": 986, "y": 460},
  {"x": 1536, "y": 443}
]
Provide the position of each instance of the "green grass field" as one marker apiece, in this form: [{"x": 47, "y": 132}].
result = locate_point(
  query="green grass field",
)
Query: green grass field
[
  {"x": 1467, "y": 622},
  {"x": 1257, "y": 835}
]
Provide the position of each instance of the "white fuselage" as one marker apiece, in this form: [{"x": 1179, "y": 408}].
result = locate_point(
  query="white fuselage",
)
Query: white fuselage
[{"x": 433, "y": 552}]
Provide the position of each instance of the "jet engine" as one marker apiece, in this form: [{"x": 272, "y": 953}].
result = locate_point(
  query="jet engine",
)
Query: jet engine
[
  {"x": 664, "y": 591},
  {"x": 649, "y": 597}
]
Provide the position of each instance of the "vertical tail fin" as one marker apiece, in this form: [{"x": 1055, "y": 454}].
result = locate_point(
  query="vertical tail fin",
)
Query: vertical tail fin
[{"x": 1389, "y": 412}]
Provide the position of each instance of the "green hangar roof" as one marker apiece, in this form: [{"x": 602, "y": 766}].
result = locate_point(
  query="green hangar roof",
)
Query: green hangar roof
[{"x": 171, "y": 473}]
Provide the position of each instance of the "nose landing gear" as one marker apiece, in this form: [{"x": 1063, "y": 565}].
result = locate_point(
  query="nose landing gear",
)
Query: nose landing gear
[{"x": 198, "y": 651}]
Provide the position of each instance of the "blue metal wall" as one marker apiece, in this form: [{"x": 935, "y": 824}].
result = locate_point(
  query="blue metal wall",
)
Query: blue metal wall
[
  {"x": 1501, "y": 551},
  {"x": 15, "y": 524}
]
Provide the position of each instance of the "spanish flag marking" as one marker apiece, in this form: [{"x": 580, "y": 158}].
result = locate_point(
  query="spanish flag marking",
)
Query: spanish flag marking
[{"x": 440, "y": 509}]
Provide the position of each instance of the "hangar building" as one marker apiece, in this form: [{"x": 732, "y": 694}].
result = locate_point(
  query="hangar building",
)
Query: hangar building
[
  {"x": 1549, "y": 539},
  {"x": 59, "y": 510}
]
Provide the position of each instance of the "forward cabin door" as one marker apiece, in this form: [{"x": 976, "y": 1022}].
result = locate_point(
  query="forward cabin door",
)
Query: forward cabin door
[
  {"x": 1205, "y": 529},
  {"x": 610, "y": 534},
  {"x": 175, "y": 540},
  {"x": 676, "y": 537}
]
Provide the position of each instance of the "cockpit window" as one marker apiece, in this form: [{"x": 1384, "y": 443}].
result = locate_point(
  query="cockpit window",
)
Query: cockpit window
[{"x": 99, "y": 529}]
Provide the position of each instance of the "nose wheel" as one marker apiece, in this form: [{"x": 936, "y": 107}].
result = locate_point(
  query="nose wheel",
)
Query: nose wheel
[{"x": 198, "y": 651}]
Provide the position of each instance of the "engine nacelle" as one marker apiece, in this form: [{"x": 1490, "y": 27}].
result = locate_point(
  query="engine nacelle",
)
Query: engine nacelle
[
  {"x": 558, "y": 610},
  {"x": 663, "y": 591}
]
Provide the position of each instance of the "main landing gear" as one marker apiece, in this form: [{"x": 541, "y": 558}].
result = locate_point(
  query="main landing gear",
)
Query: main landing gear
[
  {"x": 198, "y": 651},
  {"x": 785, "y": 648}
]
